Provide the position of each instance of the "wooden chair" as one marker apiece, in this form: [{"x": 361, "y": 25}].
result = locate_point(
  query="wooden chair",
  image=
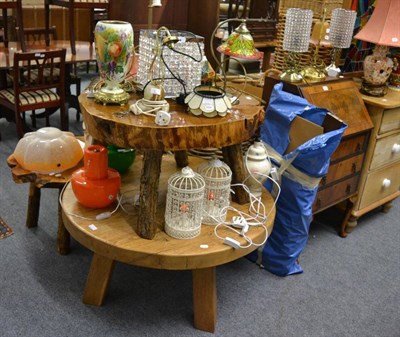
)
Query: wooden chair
[
  {"x": 39, "y": 83},
  {"x": 38, "y": 34},
  {"x": 71, "y": 5},
  {"x": 15, "y": 5}
]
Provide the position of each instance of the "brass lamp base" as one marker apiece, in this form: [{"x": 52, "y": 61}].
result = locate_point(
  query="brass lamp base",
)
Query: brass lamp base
[
  {"x": 105, "y": 96},
  {"x": 291, "y": 76},
  {"x": 377, "y": 90},
  {"x": 312, "y": 74}
]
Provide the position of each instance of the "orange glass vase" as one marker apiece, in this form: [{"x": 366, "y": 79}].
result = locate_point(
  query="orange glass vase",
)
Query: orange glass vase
[{"x": 96, "y": 185}]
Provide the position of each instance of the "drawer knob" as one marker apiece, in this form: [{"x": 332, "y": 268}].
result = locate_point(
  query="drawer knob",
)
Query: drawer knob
[
  {"x": 396, "y": 148},
  {"x": 386, "y": 182}
]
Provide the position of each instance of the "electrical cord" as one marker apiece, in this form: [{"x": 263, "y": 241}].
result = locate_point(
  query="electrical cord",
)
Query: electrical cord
[
  {"x": 148, "y": 107},
  {"x": 100, "y": 216}
]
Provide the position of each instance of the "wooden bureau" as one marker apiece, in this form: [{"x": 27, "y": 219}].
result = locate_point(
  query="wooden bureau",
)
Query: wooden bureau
[
  {"x": 380, "y": 177},
  {"x": 341, "y": 96}
]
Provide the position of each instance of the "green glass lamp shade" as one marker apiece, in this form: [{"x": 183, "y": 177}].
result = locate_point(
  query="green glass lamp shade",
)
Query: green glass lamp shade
[
  {"x": 119, "y": 158},
  {"x": 240, "y": 44}
]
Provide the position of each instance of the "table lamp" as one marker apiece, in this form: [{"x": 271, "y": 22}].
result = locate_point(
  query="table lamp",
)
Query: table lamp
[
  {"x": 240, "y": 43},
  {"x": 340, "y": 35},
  {"x": 296, "y": 40},
  {"x": 383, "y": 30}
]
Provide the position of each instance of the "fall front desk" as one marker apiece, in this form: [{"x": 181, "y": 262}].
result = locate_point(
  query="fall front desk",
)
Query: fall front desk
[{"x": 138, "y": 238}]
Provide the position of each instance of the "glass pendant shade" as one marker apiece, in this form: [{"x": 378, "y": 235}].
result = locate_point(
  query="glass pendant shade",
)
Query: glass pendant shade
[
  {"x": 48, "y": 151},
  {"x": 209, "y": 101},
  {"x": 240, "y": 44}
]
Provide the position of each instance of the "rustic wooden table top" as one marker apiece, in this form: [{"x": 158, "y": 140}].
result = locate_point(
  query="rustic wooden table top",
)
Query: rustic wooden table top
[
  {"x": 185, "y": 131},
  {"x": 116, "y": 238}
]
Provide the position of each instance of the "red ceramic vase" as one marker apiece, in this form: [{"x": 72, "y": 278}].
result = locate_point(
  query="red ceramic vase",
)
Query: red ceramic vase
[{"x": 96, "y": 185}]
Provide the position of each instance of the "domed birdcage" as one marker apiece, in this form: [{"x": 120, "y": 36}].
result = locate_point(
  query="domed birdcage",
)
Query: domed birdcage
[
  {"x": 183, "y": 211},
  {"x": 217, "y": 176}
]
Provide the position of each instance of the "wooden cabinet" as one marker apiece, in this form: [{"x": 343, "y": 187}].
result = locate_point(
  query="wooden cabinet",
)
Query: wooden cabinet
[
  {"x": 341, "y": 96},
  {"x": 380, "y": 178}
]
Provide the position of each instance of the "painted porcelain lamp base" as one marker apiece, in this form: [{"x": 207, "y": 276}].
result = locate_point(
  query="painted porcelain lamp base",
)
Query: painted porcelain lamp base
[
  {"x": 377, "y": 69},
  {"x": 114, "y": 52}
]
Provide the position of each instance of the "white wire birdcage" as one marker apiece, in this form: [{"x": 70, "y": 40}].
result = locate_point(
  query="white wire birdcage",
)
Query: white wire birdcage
[
  {"x": 217, "y": 176},
  {"x": 183, "y": 211}
]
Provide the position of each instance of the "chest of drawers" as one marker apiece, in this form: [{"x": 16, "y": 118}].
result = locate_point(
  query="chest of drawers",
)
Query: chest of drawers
[
  {"x": 380, "y": 176},
  {"x": 342, "y": 97}
]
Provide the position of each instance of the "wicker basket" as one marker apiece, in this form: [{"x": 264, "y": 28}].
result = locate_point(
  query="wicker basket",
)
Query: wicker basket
[{"x": 317, "y": 6}]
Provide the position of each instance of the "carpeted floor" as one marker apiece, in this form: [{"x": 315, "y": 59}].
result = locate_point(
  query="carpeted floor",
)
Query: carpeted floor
[{"x": 350, "y": 287}]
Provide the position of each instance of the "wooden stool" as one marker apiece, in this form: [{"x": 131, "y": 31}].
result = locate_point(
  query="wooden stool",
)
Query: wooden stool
[{"x": 36, "y": 183}]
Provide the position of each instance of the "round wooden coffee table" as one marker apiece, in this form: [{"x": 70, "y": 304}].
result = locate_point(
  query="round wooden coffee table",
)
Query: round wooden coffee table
[
  {"x": 111, "y": 125},
  {"x": 115, "y": 240}
]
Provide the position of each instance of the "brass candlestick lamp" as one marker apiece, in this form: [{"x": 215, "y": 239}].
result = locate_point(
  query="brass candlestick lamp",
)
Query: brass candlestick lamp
[
  {"x": 340, "y": 35},
  {"x": 316, "y": 70},
  {"x": 295, "y": 40}
]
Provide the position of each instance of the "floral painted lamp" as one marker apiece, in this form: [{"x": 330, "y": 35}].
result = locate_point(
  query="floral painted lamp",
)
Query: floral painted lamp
[
  {"x": 114, "y": 53},
  {"x": 382, "y": 29}
]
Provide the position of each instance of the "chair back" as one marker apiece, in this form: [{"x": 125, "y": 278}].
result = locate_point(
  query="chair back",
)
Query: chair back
[
  {"x": 11, "y": 4},
  {"x": 38, "y": 35},
  {"x": 39, "y": 71}
]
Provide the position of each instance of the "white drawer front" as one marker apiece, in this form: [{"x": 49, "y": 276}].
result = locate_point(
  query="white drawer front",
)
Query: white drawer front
[
  {"x": 390, "y": 120},
  {"x": 387, "y": 150},
  {"x": 380, "y": 184}
]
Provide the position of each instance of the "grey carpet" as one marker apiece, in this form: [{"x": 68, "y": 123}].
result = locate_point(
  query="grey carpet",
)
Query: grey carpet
[{"x": 350, "y": 287}]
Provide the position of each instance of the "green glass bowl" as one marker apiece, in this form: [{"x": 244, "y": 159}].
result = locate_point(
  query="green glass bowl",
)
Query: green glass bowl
[{"x": 120, "y": 158}]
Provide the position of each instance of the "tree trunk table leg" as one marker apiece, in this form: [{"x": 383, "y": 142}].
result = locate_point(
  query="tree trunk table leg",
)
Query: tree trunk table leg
[
  {"x": 149, "y": 180},
  {"x": 205, "y": 299},
  {"x": 181, "y": 158},
  {"x": 98, "y": 279},
  {"x": 233, "y": 157},
  {"x": 63, "y": 238},
  {"x": 32, "y": 216}
]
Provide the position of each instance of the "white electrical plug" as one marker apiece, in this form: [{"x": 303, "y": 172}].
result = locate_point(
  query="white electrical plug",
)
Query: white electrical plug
[{"x": 232, "y": 242}]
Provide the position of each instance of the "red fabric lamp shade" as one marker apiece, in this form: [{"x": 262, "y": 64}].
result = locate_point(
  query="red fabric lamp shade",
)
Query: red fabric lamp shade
[{"x": 383, "y": 26}]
